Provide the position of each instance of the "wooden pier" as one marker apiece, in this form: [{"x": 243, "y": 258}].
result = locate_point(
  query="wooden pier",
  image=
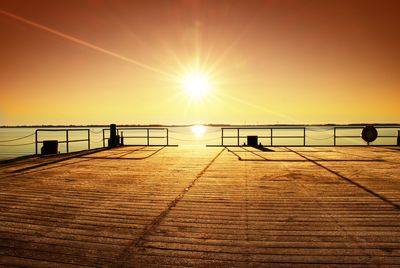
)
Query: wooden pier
[{"x": 203, "y": 207}]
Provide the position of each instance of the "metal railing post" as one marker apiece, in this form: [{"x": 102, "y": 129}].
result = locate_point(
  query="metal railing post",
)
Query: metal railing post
[
  {"x": 398, "y": 137},
  {"x": 222, "y": 136},
  {"x": 148, "y": 137},
  {"x": 36, "y": 142},
  {"x": 271, "y": 136},
  {"x": 238, "y": 137},
  {"x": 88, "y": 136},
  {"x": 66, "y": 141},
  {"x": 304, "y": 136},
  {"x": 104, "y": 139},
  {"x": 334, "y": 136},
  {"x": 167, "y": 138}
]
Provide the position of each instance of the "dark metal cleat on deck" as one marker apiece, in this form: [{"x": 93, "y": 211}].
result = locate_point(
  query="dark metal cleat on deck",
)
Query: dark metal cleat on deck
[
  {"x": 49, "y": 147},
  {"x": 252, "y": 141}
]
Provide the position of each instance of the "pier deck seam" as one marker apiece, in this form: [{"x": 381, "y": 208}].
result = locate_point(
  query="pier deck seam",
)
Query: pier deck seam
[{"x": 150, "y": 229}]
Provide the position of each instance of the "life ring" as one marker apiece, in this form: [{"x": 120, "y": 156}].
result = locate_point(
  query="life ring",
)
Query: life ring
[{"x": 369, "y": 133}]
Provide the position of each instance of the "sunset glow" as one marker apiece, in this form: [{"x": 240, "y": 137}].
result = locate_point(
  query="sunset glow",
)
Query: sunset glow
[
  {"x": 235, "y": 62},
  {"x": 196, "y": 85},
  {"x": 199, "y": 130}
]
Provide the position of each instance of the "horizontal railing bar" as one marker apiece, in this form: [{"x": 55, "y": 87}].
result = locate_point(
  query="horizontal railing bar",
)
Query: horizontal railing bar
[
  {"x": 65, "y": 141},
  {"x": 291, "y": 137},
  {"x": 65, "y": 129},
  {"x": 144, "y": 137},
  {"x": 329, "y": 128},
  {"x": 267, "y": 128},
  {"x": 142, "y": 128},
  {"x": 235, "y": 137},
  {"x": 77, "y": 140},
  {"x": 358, "y": 127},
  {"x": 300, "y": 145},
  {"x": 348, "y": 136},
  {"x": 360, "y": 136},
  {"x": 278, "y": 137},
  {"x": 154, "y": 145}
]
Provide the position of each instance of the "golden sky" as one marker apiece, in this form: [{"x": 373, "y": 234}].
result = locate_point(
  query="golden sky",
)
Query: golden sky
[{"x": 97, "y": 61}]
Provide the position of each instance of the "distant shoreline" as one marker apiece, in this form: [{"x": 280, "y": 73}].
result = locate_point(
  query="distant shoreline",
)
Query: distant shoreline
[{"x": 189, "y": 125}]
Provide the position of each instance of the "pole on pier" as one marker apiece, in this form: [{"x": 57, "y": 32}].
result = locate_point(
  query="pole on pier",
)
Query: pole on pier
[
  {"x": 113, "y": 141},
  {"x": 88, "y": 137},
  {"x": 36, "y": 141},
  {"x": 271, "y": 136},
  {"x": 222, "y": 136},
  {"x": 334, "y": 136},
  {"x": 66, "y": 140},
  {"x": 238, "y": 137},
  {"x": 104, "y": 139},
  {"x": 398, "y": 137}
]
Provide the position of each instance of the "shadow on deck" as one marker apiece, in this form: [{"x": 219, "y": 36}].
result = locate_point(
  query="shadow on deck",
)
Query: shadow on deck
[{"x": 203, "y": 207}]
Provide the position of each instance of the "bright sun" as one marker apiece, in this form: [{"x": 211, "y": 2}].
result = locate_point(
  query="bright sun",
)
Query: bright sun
[
  {"x": 198, "y": 130},
  {"x": 196, "y": 85}
]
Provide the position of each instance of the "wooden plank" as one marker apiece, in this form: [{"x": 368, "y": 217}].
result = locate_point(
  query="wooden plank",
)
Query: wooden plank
[{"x": 197, "y": 207}]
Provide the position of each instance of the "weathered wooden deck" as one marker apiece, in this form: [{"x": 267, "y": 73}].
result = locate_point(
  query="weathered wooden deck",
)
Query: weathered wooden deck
[{"x": 203, "y": 207}]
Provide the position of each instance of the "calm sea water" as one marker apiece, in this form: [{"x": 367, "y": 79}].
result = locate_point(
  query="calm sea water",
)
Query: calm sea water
[{"x": 315, "y": 135}]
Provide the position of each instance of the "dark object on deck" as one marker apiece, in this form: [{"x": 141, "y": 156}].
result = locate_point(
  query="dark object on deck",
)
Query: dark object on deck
[
  {"x": 252, "y": 141},
  {"x": 398, "y": 137},
  {"x": 50, "y": 147},
  {"x": 369, "y": 133},
  {"x": 113, "y": 141}
]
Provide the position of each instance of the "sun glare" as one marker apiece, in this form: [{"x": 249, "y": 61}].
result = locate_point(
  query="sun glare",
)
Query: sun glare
[
  {"x": 196, "y": 85},
  {"x": 198, "y": 130}
]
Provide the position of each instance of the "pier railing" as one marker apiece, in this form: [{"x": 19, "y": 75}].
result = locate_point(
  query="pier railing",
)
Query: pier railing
[
  {"x": 147, "y": 134},
  {"x": 67, "y": 140},
  {"x": 275, "y": 134},
  {"x": 337, "y": 137},
  {"x": 270, "y": 131}
]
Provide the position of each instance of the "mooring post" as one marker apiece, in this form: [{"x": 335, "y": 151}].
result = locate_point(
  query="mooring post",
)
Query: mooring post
[{"x": 112, "y": 142}]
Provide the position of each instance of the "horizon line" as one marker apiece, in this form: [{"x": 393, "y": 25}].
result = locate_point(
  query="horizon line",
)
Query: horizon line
[{"x": 203, "y": 124}]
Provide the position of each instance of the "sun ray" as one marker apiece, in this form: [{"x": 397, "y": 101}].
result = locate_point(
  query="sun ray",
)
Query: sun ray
[
  {"x": 259, "y": 107},
  {"x": 83, "y": 43}
]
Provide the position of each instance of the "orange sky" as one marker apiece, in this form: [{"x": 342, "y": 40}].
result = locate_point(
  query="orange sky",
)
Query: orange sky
[{"x": 97, "y": 62}]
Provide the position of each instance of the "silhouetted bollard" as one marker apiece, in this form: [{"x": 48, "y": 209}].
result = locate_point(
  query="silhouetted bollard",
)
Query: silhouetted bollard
[
  {"x": 113, "y": 131},
  {"x": 252, "y": 141},
  {"x": 50, "y": 147},
  {"x": 113, "y": 141}
]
